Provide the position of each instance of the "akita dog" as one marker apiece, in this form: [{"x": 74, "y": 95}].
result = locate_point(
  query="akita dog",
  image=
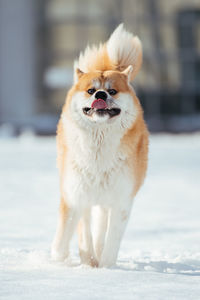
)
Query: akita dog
[{"x": 102, "y": 144}]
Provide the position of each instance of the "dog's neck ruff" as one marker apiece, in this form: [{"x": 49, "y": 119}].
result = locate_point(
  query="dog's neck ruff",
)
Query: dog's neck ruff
[{"x": 94, "y": 149}]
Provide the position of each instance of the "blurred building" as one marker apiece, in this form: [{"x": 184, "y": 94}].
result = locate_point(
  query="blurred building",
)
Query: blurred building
[{"x": 40, "y": 39}]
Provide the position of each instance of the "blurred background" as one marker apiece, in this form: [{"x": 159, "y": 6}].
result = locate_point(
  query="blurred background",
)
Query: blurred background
[{"x": 39, "y": 40}]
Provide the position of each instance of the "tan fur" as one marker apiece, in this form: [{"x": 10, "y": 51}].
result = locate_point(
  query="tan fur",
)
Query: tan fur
[{"x": 102, "y": 61}]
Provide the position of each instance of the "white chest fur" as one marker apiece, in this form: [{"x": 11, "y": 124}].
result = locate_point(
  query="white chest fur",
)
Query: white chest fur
[{"x": 96, "y": 171}]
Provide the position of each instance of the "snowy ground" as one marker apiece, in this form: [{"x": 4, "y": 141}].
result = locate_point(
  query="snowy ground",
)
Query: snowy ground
[{"x": 160, "y": 253}]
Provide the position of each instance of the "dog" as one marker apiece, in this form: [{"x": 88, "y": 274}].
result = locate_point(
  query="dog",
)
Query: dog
[{"x": 102, "y": 150}]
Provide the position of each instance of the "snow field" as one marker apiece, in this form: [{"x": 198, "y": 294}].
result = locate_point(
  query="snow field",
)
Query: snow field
[{"x": 160, "y": 253}]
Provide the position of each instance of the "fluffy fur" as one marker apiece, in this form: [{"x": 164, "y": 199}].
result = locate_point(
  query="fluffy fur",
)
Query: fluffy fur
[{"x": 102, "y": 154}]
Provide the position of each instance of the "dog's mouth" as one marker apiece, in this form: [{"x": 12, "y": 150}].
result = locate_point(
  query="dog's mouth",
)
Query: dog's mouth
[{"x": 112, "y": 112}]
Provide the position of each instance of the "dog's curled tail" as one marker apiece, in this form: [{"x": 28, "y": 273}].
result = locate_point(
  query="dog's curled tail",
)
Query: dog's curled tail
[{"x": 122, "y": 50}]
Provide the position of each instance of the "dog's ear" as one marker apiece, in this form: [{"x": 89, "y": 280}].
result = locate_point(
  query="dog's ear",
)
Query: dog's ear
[
  {"x": 77, "y": 74},
  {"x": 128, "y": 72}
]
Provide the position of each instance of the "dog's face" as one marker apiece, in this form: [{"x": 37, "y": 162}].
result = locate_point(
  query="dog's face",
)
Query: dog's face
[{"x": 102, "y": 98}]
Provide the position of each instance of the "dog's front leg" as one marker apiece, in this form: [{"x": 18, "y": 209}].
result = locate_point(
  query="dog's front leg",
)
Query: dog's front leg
[
  {"x": 100, "y": 224},
  {"x": 67, "y": 222},
  {"x": 117, "y": 223},
  {"x": 86, "y": 248}
]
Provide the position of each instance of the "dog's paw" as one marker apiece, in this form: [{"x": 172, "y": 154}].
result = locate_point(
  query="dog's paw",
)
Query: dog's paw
[
  {"x": 107, "y": 262},
  {"x": 94, "y": 262},
  {"x": 57, "y": 255},
  {"x": 89, "y": 260}
]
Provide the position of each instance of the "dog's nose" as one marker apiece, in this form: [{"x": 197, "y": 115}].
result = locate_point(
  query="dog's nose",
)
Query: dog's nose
[{"x": 101, "y": 95}]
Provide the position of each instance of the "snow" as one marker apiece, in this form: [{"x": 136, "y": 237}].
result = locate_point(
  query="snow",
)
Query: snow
[{"x": 160, "y": 253}]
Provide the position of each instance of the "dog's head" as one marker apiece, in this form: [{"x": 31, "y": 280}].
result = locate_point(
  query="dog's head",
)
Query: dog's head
[{"x": 102, "y": 98}]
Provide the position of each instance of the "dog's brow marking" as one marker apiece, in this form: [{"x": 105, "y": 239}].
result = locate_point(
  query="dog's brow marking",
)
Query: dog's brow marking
[
  {"x": 107, "y": 84},
  {"x": 96, "y": 84}
]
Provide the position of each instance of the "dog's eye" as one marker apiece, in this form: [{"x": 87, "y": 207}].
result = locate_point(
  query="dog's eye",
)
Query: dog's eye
[
  {"x": 112, "y": 92},
  {"x": 91, "y": 91}
]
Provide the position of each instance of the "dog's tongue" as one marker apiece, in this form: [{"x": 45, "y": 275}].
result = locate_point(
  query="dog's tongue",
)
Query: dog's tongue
[{"x": 99, "y": 104}]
